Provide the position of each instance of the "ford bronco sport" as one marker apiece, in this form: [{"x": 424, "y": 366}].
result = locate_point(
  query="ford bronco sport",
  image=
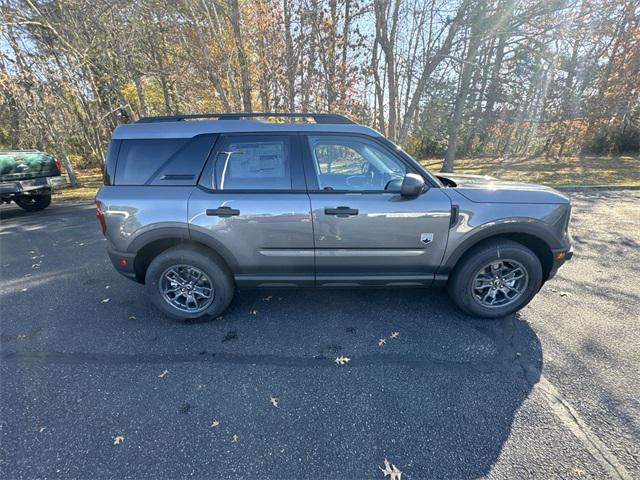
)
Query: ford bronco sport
[{"x": 194, "y": 206}]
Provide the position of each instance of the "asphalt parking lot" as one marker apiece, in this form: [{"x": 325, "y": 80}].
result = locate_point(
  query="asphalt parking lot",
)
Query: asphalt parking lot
[{"x": 97, "y": 384}]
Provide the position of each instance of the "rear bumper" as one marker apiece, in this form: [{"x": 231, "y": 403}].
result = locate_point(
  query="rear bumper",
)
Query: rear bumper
[
  {"x": 560, "y": 256},
  {"x": 38, "y": 186},
  {"x": 123, "y": 263}
]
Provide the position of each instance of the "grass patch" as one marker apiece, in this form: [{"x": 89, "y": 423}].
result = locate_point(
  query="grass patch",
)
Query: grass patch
[
  {"x": 586, "y": 170},
  {"x": 89, "y": 182}
]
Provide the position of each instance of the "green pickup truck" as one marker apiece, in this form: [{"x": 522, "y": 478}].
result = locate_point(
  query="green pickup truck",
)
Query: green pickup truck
[{"x": 24, "y": 178}]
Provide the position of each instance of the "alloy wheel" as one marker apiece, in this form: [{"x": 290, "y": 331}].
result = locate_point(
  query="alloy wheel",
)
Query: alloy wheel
[
  {"x": 499, "y": 283},
  {"x": 186, "y": 288}
]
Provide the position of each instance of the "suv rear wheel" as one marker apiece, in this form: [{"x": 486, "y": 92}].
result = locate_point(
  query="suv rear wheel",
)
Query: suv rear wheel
[
  {"x": 496, "y": 279},
  {"x": 187, "y": 283}
]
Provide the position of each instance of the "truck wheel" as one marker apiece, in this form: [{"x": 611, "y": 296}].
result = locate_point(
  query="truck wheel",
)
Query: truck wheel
[
  {"x": 32, "y": 203},
  {"x": 496, "y": 279},
  {"x": 187, "y": 283}
]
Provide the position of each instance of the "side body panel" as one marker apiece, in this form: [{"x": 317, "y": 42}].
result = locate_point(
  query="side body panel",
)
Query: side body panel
[
  {"x": 391, "y": 241},
  {"x": 270, "y": 241},
  {"x": 133, "y": 213},
  {"x": 477, "y": 221}
]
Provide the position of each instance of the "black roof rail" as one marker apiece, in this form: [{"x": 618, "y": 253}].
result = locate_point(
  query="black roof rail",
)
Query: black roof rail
[{"x": 333, "y": 118}]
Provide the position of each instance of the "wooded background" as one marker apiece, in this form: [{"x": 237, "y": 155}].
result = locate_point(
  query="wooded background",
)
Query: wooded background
[{"x": 441, "y": 78}]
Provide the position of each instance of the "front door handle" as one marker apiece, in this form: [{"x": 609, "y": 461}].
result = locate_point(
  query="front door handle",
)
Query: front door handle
[
  {"x": 222, "y": 212},
  {"x": 341, "y": 211}
]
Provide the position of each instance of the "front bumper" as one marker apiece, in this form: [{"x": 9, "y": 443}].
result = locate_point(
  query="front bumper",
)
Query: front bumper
[
  {"x": 123, "y": 263},
  {"x": 560, "y": 256}
]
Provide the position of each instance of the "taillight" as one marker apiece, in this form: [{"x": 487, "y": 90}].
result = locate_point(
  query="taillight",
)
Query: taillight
[
  {"x": 58, "y": 165},
  {"x": 100, "y": 216}
]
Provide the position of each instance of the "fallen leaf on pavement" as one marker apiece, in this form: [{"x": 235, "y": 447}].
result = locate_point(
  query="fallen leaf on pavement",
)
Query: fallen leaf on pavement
[
  {"x": 118, "y": 440},
  {"x": 163, "y": 374},
  {"x": 253, "y": 312},
  {"x": 579, "y": 472},
  {"x": 342, "y": 360},
  {"x": 395, "y": 334},
  {"x": 267, "y": 298},
  {"x": 215, "y": 423},
  {"x": 132, "y": 317},
  {"x": 235, "y": 438},
  {"x": 381, "y": 342},
  {"x": 274, "y": 402},
  {"x": 391, "y": 470},
  {"x": 42, "y": 429},
  {"x": 106, "y": 300}
]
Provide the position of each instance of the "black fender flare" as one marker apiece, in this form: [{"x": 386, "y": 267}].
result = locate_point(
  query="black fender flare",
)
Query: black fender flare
[
  {"x": 185, "y": 234},
  {"x": 526, "y": 227}
]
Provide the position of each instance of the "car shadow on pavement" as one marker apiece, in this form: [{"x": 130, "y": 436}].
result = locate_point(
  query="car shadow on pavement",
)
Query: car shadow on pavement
[
  {"x": 426, "y": 386},
  {"x": 437, "y": 397}
]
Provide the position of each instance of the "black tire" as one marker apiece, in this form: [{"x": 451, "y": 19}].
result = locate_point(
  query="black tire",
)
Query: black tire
[
  {"x": 220, "y": 278},
  {"x": 33, "y": 203},
  {"x": 460, "y": 284}
]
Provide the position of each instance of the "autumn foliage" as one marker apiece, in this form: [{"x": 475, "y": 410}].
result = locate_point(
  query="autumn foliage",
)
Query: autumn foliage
[{"x": 442, "y": 78}]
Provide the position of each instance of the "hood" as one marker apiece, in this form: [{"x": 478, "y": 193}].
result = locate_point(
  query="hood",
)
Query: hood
[{"x": 485, "y": 189}]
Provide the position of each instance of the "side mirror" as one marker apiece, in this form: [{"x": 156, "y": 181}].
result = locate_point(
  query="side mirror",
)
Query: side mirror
[{"x": 412, "y": 185}]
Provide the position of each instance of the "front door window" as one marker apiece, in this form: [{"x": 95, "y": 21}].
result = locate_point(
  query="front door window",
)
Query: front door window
[{"x": 345, "y": 163}]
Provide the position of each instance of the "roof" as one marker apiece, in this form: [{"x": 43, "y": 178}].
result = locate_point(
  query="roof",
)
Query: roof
[{"x": 188, "y": 129}]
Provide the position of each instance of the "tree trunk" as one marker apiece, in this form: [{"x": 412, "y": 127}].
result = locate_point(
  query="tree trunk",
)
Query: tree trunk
[
  {"x": 429, "y": 68},
  {"x": 242, "y": 58},
  {"x": 330, "y": 63},
  {"x": 346, "y": 28},
  {"x": 387, "y": 40},
  {"x": 492, "y": 94},
  {"x": 461, "y": 98},
  {"x": 291, "y": 64},
  {"x": 142, "y": 111},
  {"x": 14, "y": 114}
]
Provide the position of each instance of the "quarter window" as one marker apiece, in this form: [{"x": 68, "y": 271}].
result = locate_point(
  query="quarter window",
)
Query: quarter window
[
  {"x": 354, "y": 164},
  {"x": 162, "y": 161}
]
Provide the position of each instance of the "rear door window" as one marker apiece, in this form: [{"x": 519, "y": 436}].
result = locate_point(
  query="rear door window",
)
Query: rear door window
[
  {"x": 254, "y": 163},
  {"x": 163, "y": 161}
]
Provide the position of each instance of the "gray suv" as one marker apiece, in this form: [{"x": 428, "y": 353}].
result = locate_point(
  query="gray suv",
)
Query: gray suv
[{"x": 195, "y": 206}]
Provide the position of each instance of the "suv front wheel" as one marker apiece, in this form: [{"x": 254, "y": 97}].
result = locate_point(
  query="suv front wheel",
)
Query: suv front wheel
[
  {"x": 496, "y": 279},
  {"x": 186, "y": 283}
]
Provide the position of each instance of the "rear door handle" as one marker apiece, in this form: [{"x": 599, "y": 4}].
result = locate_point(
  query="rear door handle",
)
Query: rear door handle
[
  {"x": 222, "y": 212},
  {"x": 341, "y": 211}
]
